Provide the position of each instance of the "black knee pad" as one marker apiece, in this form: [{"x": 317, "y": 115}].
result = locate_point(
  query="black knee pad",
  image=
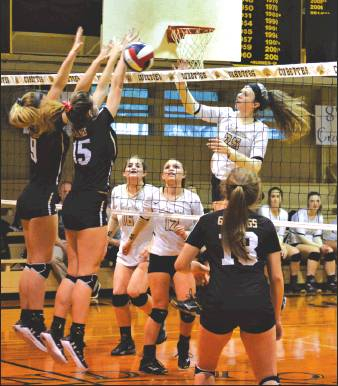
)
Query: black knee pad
[
  {"x": 71, "y": 278},
  {"x": 90, "y": 280},
  {"x": 27, "y": 266},
  {"x": 120, "y": 300},
  {"x": 42, "y": 269},
  {"x": 271, "y": 378},
  {"x": 158, "y": 315},
  {"x": 140, "y": 300},
  {"x": 314, "y": 256},
  {"x": 330, "y": 256},
  {"x": 296, "y": 258},
  {"x": 186, "y": 318},
  {"x": 208, "y": 372}
]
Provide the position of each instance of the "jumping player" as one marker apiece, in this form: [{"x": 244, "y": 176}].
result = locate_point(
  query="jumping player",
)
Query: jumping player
[
  {"x": 36, "y": 204},
  {"x": 130, "y": 280},
  {"x": 242, "y": 138},
  {"x": 169, "y": 236},
  {"x": 239, "y": 243}
]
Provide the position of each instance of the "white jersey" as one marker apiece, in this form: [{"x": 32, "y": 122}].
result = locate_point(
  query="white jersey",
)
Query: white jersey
[
  {"x": 331, "y": 235},
  {"x": 265, "y": 211},
  {"x": 310, "y": 234},
  {"x": 165, "y": 241},
  {"x": 121, "y": 200},
  {"x": 250, "y": 139}
]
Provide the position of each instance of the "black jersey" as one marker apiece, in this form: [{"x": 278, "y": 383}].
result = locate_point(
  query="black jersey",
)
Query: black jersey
[
  {"x": 48, "y": 155},
  {"x": 93, "y": 154},
  {"x": 236, "y": 284}
]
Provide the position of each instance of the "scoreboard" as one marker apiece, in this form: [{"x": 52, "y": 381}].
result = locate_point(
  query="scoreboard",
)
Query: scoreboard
[{"x": 271, "y": 31}]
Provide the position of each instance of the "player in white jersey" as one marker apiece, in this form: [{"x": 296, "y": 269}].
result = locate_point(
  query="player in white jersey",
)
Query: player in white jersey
[
  {"x": 169, "y": 236},
  {"x": 242, "y": 138},
  {"x": 274, "y": 212},
  {"x": 131, "y": 271},
  {"x": 310, "y": 243}
]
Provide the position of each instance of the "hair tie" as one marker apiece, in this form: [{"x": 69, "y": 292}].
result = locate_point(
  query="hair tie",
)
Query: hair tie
[
  {"x": 19, "y": 101},
  {"x": 68, "y": 107}
]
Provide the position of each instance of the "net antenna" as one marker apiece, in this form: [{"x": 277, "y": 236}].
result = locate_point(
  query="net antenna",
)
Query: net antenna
[{"x": 191, "y": 43}]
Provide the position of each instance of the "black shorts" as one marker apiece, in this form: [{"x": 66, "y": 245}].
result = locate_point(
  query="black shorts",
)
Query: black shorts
[
  {"x": 37, "y": 201},
  {"x": 82, "y": 210},
  {"x": 253, "y": 321},
  {"x": 162, "y": 264},
  {"x": 216, "y": 194}
]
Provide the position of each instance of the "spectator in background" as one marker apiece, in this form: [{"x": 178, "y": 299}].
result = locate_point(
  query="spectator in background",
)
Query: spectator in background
[
  {"x": 330, "y": 238},
  {"x": 310, "y": 244},
  {"x": 274, "y": 212}
]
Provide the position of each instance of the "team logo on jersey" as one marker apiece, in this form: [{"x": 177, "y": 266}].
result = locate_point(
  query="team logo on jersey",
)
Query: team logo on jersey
[{"x": 232, "y": 141}]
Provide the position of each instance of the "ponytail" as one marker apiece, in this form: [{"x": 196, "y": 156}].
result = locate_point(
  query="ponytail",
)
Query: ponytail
[
  {"x": 242, "y": 188},
  {"x": 290, "y": 115}
]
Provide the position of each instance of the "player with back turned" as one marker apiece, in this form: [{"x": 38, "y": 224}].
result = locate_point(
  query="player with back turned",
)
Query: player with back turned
[{"x": 239, "y": 243}]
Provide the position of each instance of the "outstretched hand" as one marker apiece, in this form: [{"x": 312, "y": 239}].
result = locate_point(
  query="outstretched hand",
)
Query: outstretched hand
[
  {"x": 105, "y": 51},
  {"x": 218, "y": 146},
  {"x": 78, "y": 41},
  {"x": 129, "y": 37}
]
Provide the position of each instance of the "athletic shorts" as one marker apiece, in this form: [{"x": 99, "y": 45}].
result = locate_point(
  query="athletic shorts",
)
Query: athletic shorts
[
  {"x": 215, "y": 189},
  {"x": 162, "y": 264},
  {"x": 37, "y": 201},
  {"x": 253, "y": 321},
  {"x": 85, "y": 209}
]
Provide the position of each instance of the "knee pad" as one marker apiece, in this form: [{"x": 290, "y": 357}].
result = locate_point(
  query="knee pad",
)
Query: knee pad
[
  {"x": 186, "y": 318},
  {"x": 314, "y": 256},
  {"x": 120, "y": 300},
  {"x": 71, "y": 278},
  {"x": 271, "y": 378},
  {"x": 208, "y": 372},
  {"x": 27, "y": 266},
  {"x": 330, "y": 256},
  {"x": 90, "y": 280},
  {"x": 140, "y": 300},
  {"x": 296, "y": 258},
  {"x": 42, "y": 269},
  {"x": 158, "y": 315}
]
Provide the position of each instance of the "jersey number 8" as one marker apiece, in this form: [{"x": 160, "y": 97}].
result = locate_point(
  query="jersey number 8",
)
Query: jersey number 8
[
  {"x": 251, "y": 245},
  {"x": 81, "y": 154}
]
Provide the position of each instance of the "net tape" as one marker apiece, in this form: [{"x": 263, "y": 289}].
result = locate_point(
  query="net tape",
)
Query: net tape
[
  {"x": 288, "y": 224},
  {"x": 222, "y": 73}
]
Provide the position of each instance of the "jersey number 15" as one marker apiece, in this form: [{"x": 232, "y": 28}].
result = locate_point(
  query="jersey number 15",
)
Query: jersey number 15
[{"x": 81, "y": 154}]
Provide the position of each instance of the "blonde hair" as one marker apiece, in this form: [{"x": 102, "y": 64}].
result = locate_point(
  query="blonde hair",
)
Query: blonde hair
[
  {"x": 290, "y": 115},
  {"x": 34, "y": 112},
  {"x": 242, "y": 188}
]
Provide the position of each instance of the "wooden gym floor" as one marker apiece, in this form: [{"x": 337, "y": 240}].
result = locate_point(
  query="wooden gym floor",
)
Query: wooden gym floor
[{"x": 307, "y": 354}]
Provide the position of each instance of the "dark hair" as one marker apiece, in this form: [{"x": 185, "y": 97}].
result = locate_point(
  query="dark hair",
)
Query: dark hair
[
  {"x": 313, "y": 193},
  {"x": 142, "y": 162},
  {"x": 78, "y": 112},
  {"x": 271, "y": 190},
  {"x": 242, "y": 188}
]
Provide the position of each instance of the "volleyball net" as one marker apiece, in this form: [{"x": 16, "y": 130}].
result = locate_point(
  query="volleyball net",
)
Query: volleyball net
[{"x": 152, "y": 123}]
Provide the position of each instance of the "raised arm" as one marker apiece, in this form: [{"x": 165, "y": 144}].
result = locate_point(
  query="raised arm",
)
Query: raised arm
[
  {"x": 86, "y": 79},
  {"x": 61, "y": 78}
]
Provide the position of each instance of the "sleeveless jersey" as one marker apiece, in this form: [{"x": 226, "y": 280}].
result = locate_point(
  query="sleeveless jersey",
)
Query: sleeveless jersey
[{"x": 94, "y": 153}]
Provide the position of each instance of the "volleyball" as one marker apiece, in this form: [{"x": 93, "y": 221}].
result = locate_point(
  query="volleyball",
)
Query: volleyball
[{"x": 139, "y": 56}]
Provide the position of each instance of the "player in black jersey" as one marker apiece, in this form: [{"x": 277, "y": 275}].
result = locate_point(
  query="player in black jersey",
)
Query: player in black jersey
[
  {"x": 36, "y": 204},
  {"x": 239, "y": 243},
  {"x": 84, "y": 210}
]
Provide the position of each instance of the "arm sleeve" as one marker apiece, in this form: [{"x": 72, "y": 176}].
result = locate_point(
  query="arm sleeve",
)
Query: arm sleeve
[
  {"x": 196, "y": 237},
  {"x": 212, "y": 114},
  {"x": 260, "y": 144}
]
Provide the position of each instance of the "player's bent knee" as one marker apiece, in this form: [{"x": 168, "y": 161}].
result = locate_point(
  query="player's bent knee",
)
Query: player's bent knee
[
  {"x": 330, "y": 256},
  {"x": 120, "y": 300},
  {"x": 158, "y": 315},
  {"x": 296, "y": 258},
  {"x": 186, "y": 318},
  {"x": 139, "y": 301},
  {"x": 90, "y": 280},
  {"x": 43, "y": 269},
  {"x": 268, "y": 380},
  {"x": 314, "y": 256}
]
